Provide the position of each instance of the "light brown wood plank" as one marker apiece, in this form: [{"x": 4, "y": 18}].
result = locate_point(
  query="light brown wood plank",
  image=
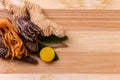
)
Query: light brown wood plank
[
  {"x": 78, "y": 4},
  {"x": 88, "y": 52},
  {"x": 93, "y": 45},
  {"x": 86, "y": 19},
  {"x": 60, "y": 76}
]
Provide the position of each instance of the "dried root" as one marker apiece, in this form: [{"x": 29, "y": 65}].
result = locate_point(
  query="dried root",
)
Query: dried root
[
  {"x": 47, "y": 26},
  {"x": 28, "y": 59},
  {"x": 11, "y": 39},
  {"x": 3, "y": 52},
  {"x": 27, "y": 29},
  {"x": 26, "y": 8},
  {"x": 30, "y": 22},
  {"x": 16, "y": 7},
  {"x": 11, "y": 45},
  {"x": 29, "y": 33},
  {"x": 1, "y": 42}
]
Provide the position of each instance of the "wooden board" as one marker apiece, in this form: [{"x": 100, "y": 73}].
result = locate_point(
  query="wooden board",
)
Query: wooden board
[
  {"x": 79, "y": 4},
  {"x": 60, "y": 76},
  {"x": 93, "y": 45}
]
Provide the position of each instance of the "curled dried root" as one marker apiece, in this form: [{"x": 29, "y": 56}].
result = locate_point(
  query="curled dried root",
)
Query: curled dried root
[
  {"x": 3, "y": 53},
  {"x": 28, "y": 59},
  {"x": 11, "y": 39}
]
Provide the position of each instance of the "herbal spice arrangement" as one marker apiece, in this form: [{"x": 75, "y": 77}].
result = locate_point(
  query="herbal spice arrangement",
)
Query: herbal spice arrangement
[{"x": 31, "y": 34}]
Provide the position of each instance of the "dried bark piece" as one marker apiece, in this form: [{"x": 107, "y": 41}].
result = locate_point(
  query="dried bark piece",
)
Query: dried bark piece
[
  {"x": 31, "y": 46},
  {"x": 11, "y": 39},
  {"x": 1, "y": 42},
  {"x": 29, "y": 32},
  {"x": 27, "y": 29},
  {"x": 3, "y": 52},
  {"x": 29, "y": 59}
]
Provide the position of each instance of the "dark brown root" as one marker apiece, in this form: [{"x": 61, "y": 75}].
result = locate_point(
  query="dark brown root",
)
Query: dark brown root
[
  {"x": 28, "y": 33},
  {"x": 27, "y": 58},
  {"x": 1, "y": 42},
  {"x": 31, "y": 46},
  {"x": 27, "y": 29},
  {"x": 3, "y": 52}
]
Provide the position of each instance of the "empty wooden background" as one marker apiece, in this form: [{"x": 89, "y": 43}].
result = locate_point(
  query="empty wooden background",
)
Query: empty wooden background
[
  {"x": 60, "y": 76},
  {"x": 79, "y": 4}
]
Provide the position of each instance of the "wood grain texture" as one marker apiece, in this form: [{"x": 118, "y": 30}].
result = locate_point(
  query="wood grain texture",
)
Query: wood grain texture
[
  {"x": 59, "y": 76},
  {"x": 78, "y": 4},
  {"x": 93, "y": 45},
  {"x": 86, "y": 19}
]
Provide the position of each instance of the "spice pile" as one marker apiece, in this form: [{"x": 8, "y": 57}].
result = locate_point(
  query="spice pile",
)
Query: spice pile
[{"x": 33, "y": 30}]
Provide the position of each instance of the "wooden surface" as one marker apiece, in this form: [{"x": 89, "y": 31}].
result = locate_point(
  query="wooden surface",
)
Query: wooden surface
[
  {"x": 60, "y": 76},
  {"x": 79, "y": 4},
  {"x": 93, "y": 45}
]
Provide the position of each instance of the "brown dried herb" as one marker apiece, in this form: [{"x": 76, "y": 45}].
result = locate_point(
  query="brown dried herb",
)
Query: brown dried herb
[{"x": 13, "y": 43}]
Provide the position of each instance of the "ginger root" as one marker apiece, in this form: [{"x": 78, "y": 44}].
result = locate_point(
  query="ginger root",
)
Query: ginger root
[
  {"x": 11, "y": 39},
  {"x": 26, "y": 8}
]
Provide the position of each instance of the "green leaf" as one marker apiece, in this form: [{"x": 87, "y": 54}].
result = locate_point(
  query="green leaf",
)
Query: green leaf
[
  {"x": 52, "y": 39},
  {"x": 40, "y": 46},
  {"x": 56, "y": 57}
]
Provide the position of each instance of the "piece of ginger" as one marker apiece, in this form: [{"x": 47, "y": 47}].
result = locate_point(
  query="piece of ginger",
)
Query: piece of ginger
[{"x": 26, "y": 8}]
